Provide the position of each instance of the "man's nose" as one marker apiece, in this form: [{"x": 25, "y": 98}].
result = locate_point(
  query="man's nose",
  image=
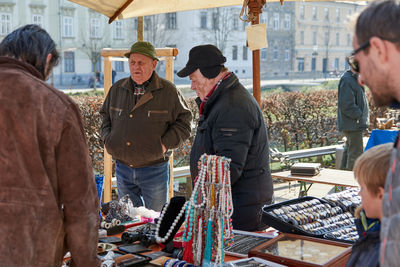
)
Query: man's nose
[{"x": 192, "y": 87}]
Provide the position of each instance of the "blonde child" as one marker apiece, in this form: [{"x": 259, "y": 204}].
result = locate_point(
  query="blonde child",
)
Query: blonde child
[{"x": 370, "y": 171}]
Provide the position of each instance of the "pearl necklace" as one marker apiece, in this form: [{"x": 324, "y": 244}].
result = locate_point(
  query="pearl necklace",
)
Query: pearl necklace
[{"x": 171, "y": 228}]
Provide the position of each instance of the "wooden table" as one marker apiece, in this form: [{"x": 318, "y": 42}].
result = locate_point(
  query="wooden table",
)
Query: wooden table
[{"x": 337, "y": 178}]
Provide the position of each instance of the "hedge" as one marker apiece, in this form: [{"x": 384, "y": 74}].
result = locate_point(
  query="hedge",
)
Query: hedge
[{"x": 295, "y": 120}]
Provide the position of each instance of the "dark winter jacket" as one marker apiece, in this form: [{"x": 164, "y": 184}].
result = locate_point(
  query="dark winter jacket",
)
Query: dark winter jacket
[
  {"x": 48, "y": 197},
  {"x": 353, "y": 107},
  {"x": 365, "y": 252},
  {"x": 133, "y": 134},
  {"x": 232, "y": 125}
]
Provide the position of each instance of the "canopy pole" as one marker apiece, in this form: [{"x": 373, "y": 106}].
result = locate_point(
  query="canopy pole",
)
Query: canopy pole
[
  {"x": 140, "y": 29},
  {"x": 119, "y": 11},
  {"x": 255, "y": 7}
]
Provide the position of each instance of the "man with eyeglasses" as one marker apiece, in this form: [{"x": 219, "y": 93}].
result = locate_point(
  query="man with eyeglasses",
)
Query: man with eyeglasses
[
  {"x": 352, "y": 117},
  {"x": 377, "y": 58}
]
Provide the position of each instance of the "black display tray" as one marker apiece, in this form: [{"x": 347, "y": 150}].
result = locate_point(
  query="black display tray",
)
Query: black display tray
[{"x": 282, "y": 226}]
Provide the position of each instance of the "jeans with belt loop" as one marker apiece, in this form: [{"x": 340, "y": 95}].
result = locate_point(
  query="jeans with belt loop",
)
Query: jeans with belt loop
[{"x": 147, "y": 184}]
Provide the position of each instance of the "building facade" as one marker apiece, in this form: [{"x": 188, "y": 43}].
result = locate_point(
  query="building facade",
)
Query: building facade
[{"x": 305, "y": 39}]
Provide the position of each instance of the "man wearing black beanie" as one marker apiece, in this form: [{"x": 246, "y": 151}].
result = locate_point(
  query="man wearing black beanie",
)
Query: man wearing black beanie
[{"x": 231, "y": 124}]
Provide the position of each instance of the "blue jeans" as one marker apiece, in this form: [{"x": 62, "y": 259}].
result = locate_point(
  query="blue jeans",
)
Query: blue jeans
[{"x": 147, "y": 184}]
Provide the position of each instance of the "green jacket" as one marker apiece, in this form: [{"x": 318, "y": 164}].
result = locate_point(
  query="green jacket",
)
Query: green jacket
[
  {"x": 353, "y": 110},
  {"x": 132, "y": 133}
]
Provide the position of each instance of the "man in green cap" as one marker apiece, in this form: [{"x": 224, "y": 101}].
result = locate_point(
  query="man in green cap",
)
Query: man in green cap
[{"x": 144, "y": 118}]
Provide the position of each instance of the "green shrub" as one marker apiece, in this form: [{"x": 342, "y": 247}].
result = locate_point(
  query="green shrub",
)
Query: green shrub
[{"x": 295, "y": 120}]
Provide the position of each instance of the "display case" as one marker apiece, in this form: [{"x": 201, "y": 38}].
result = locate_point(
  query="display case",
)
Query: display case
[
  {"x": 303, "y": 251},
  {"x": 313, "y": 217}
]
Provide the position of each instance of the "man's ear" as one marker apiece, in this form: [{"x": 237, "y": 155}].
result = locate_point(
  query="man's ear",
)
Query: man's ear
[
  {"x": 47, "y": 69},
  {"x": 380, "y": 49},
  {"x": 154, "y": 64},
  {"x": 381, "y": 192}
]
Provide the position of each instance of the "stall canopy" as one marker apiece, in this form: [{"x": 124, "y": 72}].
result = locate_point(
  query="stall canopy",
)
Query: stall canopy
[{"x": 121, "y": 9}]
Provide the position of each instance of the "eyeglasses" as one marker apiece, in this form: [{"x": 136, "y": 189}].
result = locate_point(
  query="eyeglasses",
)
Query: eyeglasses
[{"x": 353, "y": 63}]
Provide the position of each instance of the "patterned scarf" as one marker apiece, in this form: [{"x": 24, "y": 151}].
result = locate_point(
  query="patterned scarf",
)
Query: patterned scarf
[{"x": 212, "y": 91}]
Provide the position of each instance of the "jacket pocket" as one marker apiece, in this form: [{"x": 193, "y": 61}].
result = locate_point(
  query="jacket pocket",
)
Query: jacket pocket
[
  {"x": 158, "y": 115},
  {"x": 116, "y": 113},
  {"x": 228, "y": 131}
]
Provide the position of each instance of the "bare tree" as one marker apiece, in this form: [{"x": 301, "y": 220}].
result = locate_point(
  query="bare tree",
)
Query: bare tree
[
  {"x": 155, "y": 30},
  {"x": 91, "y": 45},
  {"x": 222, "y": 26}
]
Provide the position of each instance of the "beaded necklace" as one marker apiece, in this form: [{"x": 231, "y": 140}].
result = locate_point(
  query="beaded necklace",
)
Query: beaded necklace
[{"x": 208, "y": 227}]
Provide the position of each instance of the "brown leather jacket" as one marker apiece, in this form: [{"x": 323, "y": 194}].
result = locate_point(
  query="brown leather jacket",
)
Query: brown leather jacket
[
  {"x": 48, "y": 198},
  {"x": 132, "y": 133}
]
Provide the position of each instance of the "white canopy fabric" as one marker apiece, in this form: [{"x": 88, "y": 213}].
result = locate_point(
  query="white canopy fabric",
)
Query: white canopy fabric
[{"x": 150, "y": 7}]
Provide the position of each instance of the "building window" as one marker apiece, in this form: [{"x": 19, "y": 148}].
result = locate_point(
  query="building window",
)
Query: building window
[
  {"x": 313, "y": 64},
  {"x": 326, "y": 12},
  {"x": 235, "y": 24},
  {"x": 245, "y": 52},
  {"x": 69, "y": 61},
  {"x": 314, "y": 38},
  {"x": 119, "y": 66},
  {"x": 171, "y": 21},
  {"x": 5, "y": 23},
  {"x": 302, "y": 37},
  {"x": 276, "y": 53},
  {"x": 263, "y": 18},
  {"x": 287, "y": 22},
  {"x": 215, "y": 21},
  {"x": 276, "y": 21},
  {"x": 234, "y": 52},
  {"x": 287, "y": 54},
  {"x": 326, "y": 38},
  {"x": 203, "y": 20},
  {"x": 68, "y": 26},
  {"x": 300, "y": 64},
  {"x": 38, "y": 20},
  {"x": 314, "y": 13},
  {"x": 348, "y": 39},
  {"x": 337, "y": 39},
  {"x": 94, "y": 28},
  {"x": 336, "y": 63},
  {"x": 337, "y": 14},
  {"x": 264, "y": 54},
  {"x": 301, "y": 12},
  {"x": 118, "y": 30}
]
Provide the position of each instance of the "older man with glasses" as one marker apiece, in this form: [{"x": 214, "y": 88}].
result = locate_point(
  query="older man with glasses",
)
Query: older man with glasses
[{"x": 377, "y": 58}]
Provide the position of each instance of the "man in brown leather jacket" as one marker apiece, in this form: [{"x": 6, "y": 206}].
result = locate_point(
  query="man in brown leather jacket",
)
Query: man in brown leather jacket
[
  {"x": 48, "y": 198},
  {"x": 144, "y": 117}
]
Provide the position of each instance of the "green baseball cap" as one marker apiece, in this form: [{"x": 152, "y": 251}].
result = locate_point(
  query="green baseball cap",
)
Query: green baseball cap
[{"x": 144, "y": 48}]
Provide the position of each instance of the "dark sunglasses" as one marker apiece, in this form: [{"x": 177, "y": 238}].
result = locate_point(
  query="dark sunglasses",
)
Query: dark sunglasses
[{"x": 353, "y": 63}]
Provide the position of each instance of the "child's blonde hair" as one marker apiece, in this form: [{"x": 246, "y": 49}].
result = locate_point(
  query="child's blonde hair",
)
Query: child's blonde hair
[{"x": 372, "y": 167}]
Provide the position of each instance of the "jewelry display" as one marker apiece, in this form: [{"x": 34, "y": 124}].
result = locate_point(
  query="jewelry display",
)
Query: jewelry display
[
  {"x": 312, "y": 217},
  {"x": 208, "y": 225},
  {"x": 348, "y": 199},
  {"x": 170, "y": 220}
]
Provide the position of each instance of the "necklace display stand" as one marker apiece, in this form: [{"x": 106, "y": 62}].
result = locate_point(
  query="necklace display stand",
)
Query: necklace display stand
[{"x": 208, "y": 225}]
